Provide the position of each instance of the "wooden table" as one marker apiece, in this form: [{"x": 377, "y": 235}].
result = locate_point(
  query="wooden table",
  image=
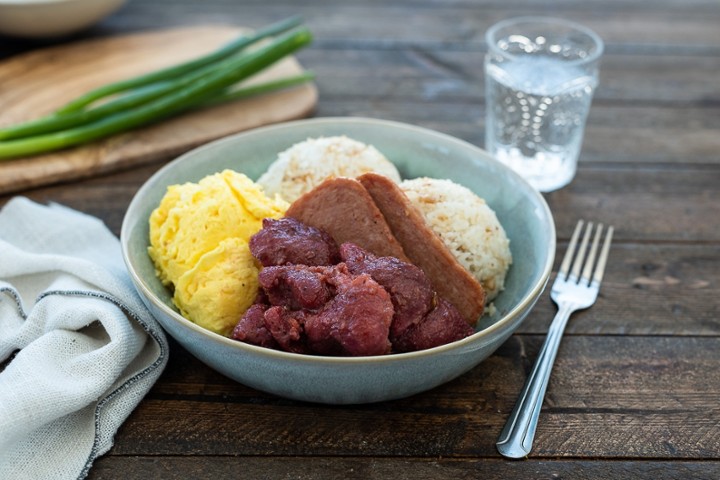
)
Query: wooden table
[{"x": 635, "y": 392}]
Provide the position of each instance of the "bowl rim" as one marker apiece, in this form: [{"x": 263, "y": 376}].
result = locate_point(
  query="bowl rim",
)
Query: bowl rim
[{"x": 527, "y": 300}]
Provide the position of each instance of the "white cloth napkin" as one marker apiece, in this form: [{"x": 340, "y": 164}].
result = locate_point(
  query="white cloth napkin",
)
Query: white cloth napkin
[{"x": 86, "y": 348}]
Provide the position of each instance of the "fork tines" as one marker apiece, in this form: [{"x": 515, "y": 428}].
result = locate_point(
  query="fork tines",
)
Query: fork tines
[{"x": 584, "y": 264}]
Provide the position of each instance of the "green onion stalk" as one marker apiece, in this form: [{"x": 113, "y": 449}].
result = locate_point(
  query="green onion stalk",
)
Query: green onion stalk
[
  {"x": 181, "y": 69},
  {"x": 208, "y": 86}
]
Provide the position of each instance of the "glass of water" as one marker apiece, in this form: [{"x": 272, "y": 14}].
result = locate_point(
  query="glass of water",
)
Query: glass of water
[{"x": 540, "y": 74}]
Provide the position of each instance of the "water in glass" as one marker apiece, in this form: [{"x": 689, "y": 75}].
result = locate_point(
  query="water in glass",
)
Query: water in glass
[
  {"x": 539, "y": 112},
  {"x": 539, "y": 77}
]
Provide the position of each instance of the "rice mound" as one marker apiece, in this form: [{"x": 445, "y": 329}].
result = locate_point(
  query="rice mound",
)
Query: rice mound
[
  {"x": 468, "y": 227},
  {"x": 305, "y": 165}
]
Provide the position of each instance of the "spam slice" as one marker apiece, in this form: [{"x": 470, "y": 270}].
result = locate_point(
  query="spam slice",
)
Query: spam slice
[
  {"x": 344, "y": 209},
  {"x": 425, "y": 248}
]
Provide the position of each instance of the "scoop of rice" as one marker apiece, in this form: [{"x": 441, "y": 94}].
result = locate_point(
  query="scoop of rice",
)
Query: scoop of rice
[
  {"x": 467, "y": 226},
  {"x": 303, "y": 166}
]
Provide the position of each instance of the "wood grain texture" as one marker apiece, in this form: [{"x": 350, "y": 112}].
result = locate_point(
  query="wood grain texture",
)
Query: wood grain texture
[
  {"x": 646, "y": 395},
  {"x": 635, "y": 390},
  {"x": 651, "y": 135},
  {"x": 37, "y": 83},
  {"x": 422, "y": 74},
  {"x": 461, "y": 24},
  {"x": 332, "y": 468}
]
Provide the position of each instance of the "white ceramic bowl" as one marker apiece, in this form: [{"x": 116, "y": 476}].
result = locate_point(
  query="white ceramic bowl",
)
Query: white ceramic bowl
[
  {"x": 52, "y": 18},
  {"x": 416, "y": 152}
]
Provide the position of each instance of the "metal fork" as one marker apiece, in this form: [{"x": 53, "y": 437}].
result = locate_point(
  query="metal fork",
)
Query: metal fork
[{"x": 576, "y": 287}]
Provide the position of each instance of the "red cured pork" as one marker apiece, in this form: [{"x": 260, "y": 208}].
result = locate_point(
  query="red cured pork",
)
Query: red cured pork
[
  {"x": 344, "y": 209},
  {"x": 425, "y": 248}
]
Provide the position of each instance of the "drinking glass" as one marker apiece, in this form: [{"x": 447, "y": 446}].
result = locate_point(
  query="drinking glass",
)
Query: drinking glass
[{"x": 540, "y": 74}]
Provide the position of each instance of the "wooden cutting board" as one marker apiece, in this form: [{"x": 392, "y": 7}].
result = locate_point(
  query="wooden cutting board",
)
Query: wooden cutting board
[{"x": 35, "y": 84}]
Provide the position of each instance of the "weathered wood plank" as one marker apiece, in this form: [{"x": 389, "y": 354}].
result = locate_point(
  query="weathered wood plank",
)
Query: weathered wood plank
[
  {"x": 417, "y": 74},
  {"x": 647, "y": 290},
  {"x": 617, "y": 134},
  {"x": 626, "y": 26},
  {"x": 332, "y": 468},
  {"x": 623, "y": 397},
  {"x": 643, "y": 204},
  {"x": 423, "y": 24}
]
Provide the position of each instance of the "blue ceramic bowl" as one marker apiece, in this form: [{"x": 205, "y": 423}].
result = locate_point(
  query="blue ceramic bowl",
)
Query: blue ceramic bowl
[{"x": 416, "y": 152}]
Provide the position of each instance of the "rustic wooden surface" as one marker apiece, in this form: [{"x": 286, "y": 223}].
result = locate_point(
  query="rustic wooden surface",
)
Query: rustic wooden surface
[
  {"x": 635, "y": 392},
  {"x": 30, "y": 88}
]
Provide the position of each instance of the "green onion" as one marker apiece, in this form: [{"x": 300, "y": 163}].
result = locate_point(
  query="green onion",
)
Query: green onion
[
  {"x": 55, "y": 122},
  {"x": 174, "y": 71},
  {"x": 204, "y": 89},
  {"x": 258, "y": 89}
]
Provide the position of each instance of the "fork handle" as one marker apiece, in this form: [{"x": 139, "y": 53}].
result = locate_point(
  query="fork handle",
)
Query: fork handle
[{"x": 517, "y": 436}]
